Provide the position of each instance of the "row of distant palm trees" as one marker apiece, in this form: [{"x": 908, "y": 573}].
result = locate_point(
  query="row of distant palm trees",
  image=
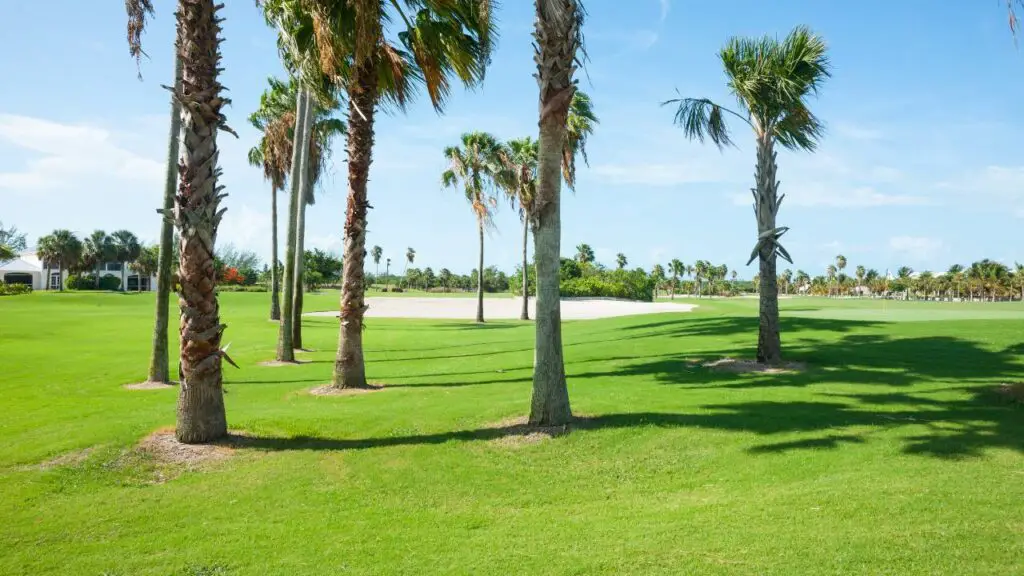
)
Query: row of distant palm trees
[
  {"x": 63, "y": 250},
  {"x": 983, "y": 279},
  {"x": 376, "y": 253},
  {"x": 700, "y": 271},
  {"x": 486, "y": 169}
]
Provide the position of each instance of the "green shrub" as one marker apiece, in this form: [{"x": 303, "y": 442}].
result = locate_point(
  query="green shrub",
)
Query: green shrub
[
  {"x": 239, "y": 288},
  {"x": 629, "y": 285},
  {"x": 14, "y": 289},
  {"x": 88, "y": 282}
]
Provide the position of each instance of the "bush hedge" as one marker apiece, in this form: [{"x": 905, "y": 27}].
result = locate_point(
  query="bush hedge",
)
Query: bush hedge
[
  {"x": 88, "y": 282},
  {"x": 634, "y": 285},
  {"x": 14, "y": 289},
  {"x": 238, "y": 288}
]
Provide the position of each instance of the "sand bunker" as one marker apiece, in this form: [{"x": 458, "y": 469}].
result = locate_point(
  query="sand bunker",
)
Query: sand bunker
[
  {"x": 150, "y": 385},
  {"x": 328, "y": 390},
  {"x": 506, "y": 308}
]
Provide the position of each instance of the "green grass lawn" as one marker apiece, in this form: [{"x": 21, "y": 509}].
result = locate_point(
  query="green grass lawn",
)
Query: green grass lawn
[{"x": 891, "y": 454}]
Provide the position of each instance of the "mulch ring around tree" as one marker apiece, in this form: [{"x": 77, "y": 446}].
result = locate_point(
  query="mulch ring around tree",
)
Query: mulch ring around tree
[
  {"x": 328, "y": 390},
  {"x": 737, "y": 366},
  {"x": 517, "y": 432},
  {"x": 150, "y": 385},
  {"x": 1011, "y": 391}
]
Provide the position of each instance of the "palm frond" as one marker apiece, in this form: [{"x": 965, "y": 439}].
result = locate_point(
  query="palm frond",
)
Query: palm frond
[
  {"x": 701, "y": 119},
  {"x": 799, "y": 129},
  {"x": 138, "y": 11}
]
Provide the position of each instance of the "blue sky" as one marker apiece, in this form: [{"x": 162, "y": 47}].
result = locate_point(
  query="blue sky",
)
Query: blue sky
[{"x": 923, "y": 163}]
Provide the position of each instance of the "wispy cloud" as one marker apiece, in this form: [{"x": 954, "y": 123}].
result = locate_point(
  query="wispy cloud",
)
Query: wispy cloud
[
  {"x": 666, "y": 6},
  {"x": 852, "y": 131},
  {"x": 659, "y": 175},
  {"x": 68, "y": 153},
  {"x": 916, "y": 248}
]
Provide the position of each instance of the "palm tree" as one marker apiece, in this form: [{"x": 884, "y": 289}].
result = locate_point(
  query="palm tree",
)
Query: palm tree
[
  {"x": 786, "y": 277},
  {"x": 676, "y": 268},
  {"x": 621, "y": 261},
  {"x": 771, "y": 81},
  {"x": 98, "y": 249},
  {"x": 376, "y": 253},
  {"x": 347, "y": 41},
  {"x": 46, "y": 251},
  {"x": 830, "y": 274},
  {"x": 159, "y": 366},
  {"x": 860, "y": 272},
  {"x": 519, "y": 180},
  {"x": 67, "y": 249},
  {"x": 585, "y": 254},
  {"x": 658, "y": 275},
  {"x": 126, "y": 249},
  {"x": 410, "y": 256},
  {"x": 475, "y": 165},
  {"x": 557, "y": 37},
  {"x": 201, "y": 416},
  {"x": 579, "y": 125},
  {"x": 275, "y": 118},
  {"x": 802, "y": 278},
  {"x": 840, "y": 264}
]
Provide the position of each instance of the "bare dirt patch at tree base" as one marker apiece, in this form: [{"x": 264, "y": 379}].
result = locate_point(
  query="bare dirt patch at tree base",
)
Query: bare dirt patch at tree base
[
  {"x": 150, "y": 385},
  {"x": 164, "y": 447},
  {"x": 328, "y": 390},
  {"x": 1011, "y": 391},
  {"x": 69, "y": 459},
  {"x": 516, "y": 432},
  {"x": 279, "y": 363},
  {"x": 736, "y": 366}
]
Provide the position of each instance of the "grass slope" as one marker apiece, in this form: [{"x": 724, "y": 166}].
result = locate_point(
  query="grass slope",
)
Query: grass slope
[{"x": 889, "y": 456}]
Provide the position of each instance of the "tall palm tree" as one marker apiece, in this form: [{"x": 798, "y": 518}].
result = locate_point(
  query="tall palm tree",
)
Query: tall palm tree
[
  {"x": 676, "y": 268},
  {"x": 476, "y": 165},
  {"x": 98, "y": 249},
  {"x": 410, "y": 257},
  {"x": 860, "y": 272},
  {"x": 691, "y": 271},
  {"x": 376, "y": 253},
  {"x": 802, "y": 278},
  {"x": 585, "y": 254},
  {"x": 787, "y": 278},
  {"x": 201, "y": 416},
  {"x": 621, "y": 261},
  {"x": 840, "y": 265},
  {"x": 830, "y": 274},
  {"x": 658, "y": 275},
  {"x": 159, "y": 365},
  {"x": 126, "y": 249},
  {"x": 352, "y": 44},
  {"x": 519, "y": 179},
  {"x": 275, "y": 118},
  {"x": 557, "y": 37},
  {"x": 68, "y": 249},
  {"x": 46, "y": 251},
  {"x": 771, "y": 81}
]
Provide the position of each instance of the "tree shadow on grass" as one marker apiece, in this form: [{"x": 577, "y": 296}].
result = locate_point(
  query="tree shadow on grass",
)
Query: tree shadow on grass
[{"x": 952, "y": 429}]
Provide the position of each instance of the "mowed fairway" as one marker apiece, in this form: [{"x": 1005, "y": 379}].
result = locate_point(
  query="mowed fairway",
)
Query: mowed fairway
[{"x": 891, "y": 454}]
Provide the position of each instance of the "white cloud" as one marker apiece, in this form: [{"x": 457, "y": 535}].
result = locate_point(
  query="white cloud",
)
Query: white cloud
[
  {"x": 666, "y": 6},
  {"x": 69, "y": 153},
  {"x": 655, "y": 174},
  {"x": 856, "y": 132},
  {"x": 249, "y": 229},
  {"x": 841, "y": 196},
  {"x": 918, "y": 248}
]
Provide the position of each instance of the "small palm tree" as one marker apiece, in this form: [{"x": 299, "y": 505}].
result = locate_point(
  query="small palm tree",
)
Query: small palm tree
[
  {"x": 67, "y": 249},
  {"x": 621, "y": 261},
  {"x": 840, "y": 264},
  {"x": 584, "y": 254},
  {"x": 677, "y": 269},
  {"x": 771, "y": 81},
  {"x": 126, "y": 249},
  {"x": 410, "y": 256},
  {"x": 99, "y": 249},
  {"x": 475, "y": 165},
  {"x": 376, "y": 253},
  {"x": 658, "y": 276},
  {"x": 830, "y": 274},
  {"x": 860, "y": 272},
  {"x": 786, "y": 277}
]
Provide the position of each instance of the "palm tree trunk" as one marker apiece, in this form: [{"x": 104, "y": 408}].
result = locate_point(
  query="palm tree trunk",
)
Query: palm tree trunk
[
  {"x": 480, "y": 277},
  {"x": 97, "y": 279},
  {"x": 525, "y": 313},
  {"x": 201, "y": 416},
  {"x": 275, "y": 282},
  {"x": 557, "y": 39},
  {"x": 349, "y": 366},
  {"x": 159, "y": 369},
  {"x": 124, "y": 285},
  {"x": 285, "y": 347},
  {"x": 769, "y": 344},
  {"x": 300, "y": 228}
]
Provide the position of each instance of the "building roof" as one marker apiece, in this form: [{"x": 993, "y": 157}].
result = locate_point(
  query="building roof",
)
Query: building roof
[{"x": 19, "y": 265}]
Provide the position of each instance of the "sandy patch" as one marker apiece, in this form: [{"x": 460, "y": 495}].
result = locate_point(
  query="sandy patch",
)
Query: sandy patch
[
  {"x": 70, "y": 459},
  {"x": 278, "y": 363},
  {"x": 506, "y": 308},
  {"x": 150, "y": 385},
  {"x": 516, "y": 432},
  {"x": 328, "y": 390},
  {"x": 735, "y": 366}
]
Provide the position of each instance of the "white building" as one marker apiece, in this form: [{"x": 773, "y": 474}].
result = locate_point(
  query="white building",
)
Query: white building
[{"x": 28, "y": 269}]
